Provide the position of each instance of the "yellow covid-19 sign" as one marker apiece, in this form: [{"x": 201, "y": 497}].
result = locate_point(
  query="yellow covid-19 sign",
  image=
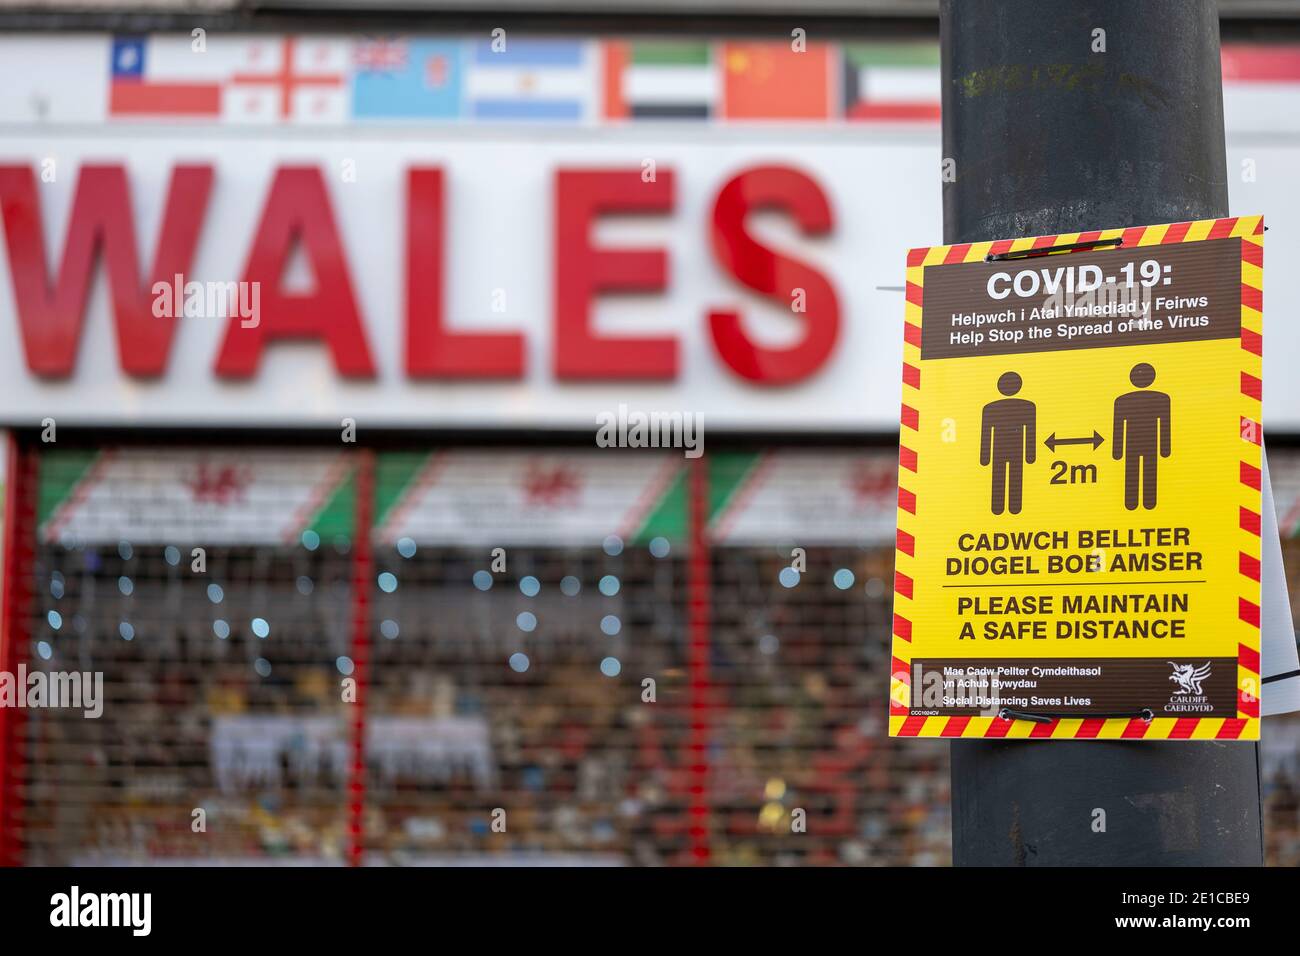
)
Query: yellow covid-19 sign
[{"x": 1078, "y": 545}]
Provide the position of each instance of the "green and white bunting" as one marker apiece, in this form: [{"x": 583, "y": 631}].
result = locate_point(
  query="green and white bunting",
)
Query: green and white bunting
[
  {"x": 175, "y": 496},
  {"x": 470, "y": 497}
]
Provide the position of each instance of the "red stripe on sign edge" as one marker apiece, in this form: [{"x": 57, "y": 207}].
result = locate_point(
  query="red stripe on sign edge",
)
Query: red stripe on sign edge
[
  {"x": 1252, "y": 298},
  {"x": 957, "y": 253},
  {"x": 1248, "y": 611},
  {"x": 1133, "y": 235},
  {"x": 1231, "y": 729},
  {"x": 911, "y": 727},
  {"x": 998, "y": 727},
  {"x": 1222, "y": 228},
  {"x": 1043, "y": 731},
  {"x": 955, "y": 726},
  {"x": 1090, "y": 727},
  {"x": 1136, "y": 729},
  {"x": 1252, "y": 386}
]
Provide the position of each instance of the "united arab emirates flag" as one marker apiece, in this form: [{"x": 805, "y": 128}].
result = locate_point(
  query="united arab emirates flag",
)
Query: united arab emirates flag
[
  {"x": 660, "y": 80},
  {"x": 891, "y": 82}
]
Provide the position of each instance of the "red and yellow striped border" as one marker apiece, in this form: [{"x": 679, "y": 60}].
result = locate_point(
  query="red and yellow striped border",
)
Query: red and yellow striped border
[{"x": 1250, "y": 229}]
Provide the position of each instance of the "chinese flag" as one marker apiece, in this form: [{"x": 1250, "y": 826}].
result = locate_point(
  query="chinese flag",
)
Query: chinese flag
[{"x": 772, "y": 81}]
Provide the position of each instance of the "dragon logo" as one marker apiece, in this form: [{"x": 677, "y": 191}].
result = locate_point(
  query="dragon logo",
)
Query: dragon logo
[{"x": 1189, "y": 677}]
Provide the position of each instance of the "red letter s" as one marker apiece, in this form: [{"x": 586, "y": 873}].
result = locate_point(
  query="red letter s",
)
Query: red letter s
[{"x": 773, "y": 274}]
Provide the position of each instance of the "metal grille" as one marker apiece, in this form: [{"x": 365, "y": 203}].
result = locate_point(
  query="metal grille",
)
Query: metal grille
[
  {"x": 1280, "y": 738},
  {"x": 500, "y": 697},
  {"x": 800, "y": 661},
  {"x": 219, "y": 691},
  {"x": 506, "y": 668}
]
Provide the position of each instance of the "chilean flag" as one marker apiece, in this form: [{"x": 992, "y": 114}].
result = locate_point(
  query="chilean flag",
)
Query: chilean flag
[{"x": 144, "y": 83}]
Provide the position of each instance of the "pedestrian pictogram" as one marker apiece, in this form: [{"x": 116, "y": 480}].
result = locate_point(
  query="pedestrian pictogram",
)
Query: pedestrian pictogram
[
  {"x": 1007, "y": 443},
  {"x": 1142, "y": 427}
]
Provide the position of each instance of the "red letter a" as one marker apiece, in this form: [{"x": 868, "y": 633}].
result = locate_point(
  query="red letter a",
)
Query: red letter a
[{"x": 298, "y": 209}]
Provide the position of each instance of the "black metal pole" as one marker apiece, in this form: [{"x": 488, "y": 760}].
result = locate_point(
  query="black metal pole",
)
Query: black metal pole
[{"x": 1053, "y": 127}]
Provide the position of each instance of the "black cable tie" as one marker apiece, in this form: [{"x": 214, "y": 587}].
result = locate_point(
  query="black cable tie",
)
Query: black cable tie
[
  {"x": 1068, "y": 247},
  {"x": 1045, "y": 717}
]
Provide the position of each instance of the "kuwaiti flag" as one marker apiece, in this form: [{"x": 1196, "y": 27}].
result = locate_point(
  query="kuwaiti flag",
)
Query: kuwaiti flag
[
  {"x": 660, "y": 80},
  {"x": 888, "y": 82},
  {"x": 530, "y": 80}
]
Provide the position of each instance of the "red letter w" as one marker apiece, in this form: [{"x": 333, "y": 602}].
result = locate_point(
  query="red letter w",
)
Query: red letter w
[{"x": 50, "y": 313}]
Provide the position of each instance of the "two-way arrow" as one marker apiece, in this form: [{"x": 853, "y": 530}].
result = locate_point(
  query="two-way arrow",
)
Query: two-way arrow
[{"x": 1051, "y": 441}]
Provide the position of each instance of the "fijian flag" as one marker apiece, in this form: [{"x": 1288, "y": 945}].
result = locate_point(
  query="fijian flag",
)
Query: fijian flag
[
  {"x": 660, "y": 80},
  {"x": 407, "y": 79},
  {"x": 529, "y": 80},
  {"x": 891, "y": 82}
]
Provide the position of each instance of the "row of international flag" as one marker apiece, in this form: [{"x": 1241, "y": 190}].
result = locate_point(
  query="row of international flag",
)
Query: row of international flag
[
  {"x": 87, "y": 78},
  {"x": 313, "y": 79}
]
